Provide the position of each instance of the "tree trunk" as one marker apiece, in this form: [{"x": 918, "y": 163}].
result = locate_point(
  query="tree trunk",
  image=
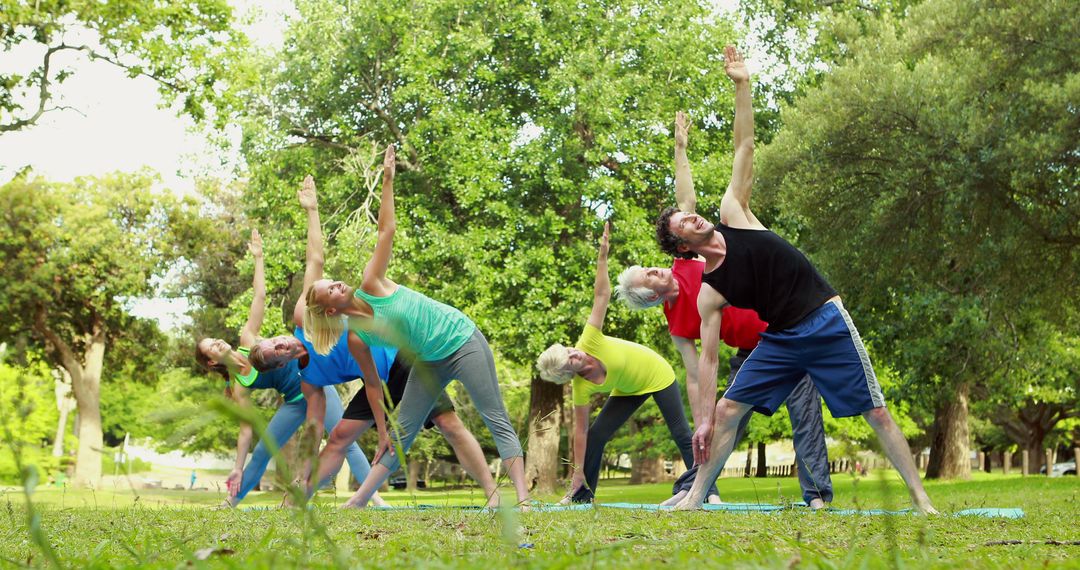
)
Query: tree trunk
[
  {"x": 749, "y": 460},
  {"x": 64, "y": 405},
  {"x": 950, "y": 451},
  {"x": 762, "y": 467},
  {"x": 412, "y": 473},
  {"x": 646, "y": 470},
  {"x": 542, "y": 458}
]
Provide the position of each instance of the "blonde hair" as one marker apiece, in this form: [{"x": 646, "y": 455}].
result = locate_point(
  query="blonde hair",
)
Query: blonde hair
[
  {"x": 321, "y": 329},
  {"x": 635, "y": 296},
  {"x": 552, "y": 364}
]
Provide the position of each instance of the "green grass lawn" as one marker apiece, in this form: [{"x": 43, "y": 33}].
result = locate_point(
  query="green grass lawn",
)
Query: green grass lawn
[{"x": 169, "y": 528}]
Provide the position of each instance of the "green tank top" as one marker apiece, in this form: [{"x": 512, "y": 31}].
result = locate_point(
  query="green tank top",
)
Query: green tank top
[{"x": 414, "y": 322}]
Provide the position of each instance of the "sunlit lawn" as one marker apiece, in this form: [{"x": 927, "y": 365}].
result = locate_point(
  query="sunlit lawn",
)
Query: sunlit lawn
[{"x": 169, "y": 528}]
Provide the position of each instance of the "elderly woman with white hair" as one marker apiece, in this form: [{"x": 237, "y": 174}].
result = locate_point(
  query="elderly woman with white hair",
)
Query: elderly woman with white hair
[{"x": 629, "y": 372}]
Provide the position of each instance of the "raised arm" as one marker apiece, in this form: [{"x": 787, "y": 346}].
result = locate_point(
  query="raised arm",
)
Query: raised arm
[
  {"x": 684, "y": 181},
  {"x": 250, "y": 332},
  {"x": 735, "y": 205},
  {"x": 315, "y": 258},
  {"x": 710, "y": 304},
  {"x": 602, "y": 286},
  {"x": 375, "y": 281}
]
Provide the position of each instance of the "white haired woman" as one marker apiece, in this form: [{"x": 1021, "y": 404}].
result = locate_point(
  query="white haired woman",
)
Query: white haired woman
[{"x": 629, "y": 372}]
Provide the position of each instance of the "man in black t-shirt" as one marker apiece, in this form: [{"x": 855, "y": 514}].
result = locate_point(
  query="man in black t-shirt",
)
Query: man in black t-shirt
[{"x": 748, "y": 266}]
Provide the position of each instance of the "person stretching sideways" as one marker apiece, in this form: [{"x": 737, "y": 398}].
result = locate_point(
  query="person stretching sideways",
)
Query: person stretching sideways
[
  {"x": 241, "y": 378},
  {"x": 444, "y": 344},
  {"x": 629, "y": 372},
  {"x": 677, "y": 290},
  {"x": 339, "y": 366},
  {"x": 809, "y": 331}
]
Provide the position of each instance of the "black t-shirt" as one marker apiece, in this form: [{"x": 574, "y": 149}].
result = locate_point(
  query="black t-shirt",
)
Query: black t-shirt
[{"x": 763, "y": 272}]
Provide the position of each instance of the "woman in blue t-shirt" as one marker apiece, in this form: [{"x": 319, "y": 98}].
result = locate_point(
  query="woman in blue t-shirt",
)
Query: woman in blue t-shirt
[{"x": 241, "y": 378}]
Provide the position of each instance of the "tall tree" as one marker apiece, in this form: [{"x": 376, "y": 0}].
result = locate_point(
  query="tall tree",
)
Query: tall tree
[
  {"x": 519, "y": 126},
  {"x": 934, "y": 172},
  {"x": 180, "y": 45},
  {"x": 72, "y": 255}
]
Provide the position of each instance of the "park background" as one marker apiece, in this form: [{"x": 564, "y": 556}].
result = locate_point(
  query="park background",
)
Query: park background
[{"x": 923, "y": 154}]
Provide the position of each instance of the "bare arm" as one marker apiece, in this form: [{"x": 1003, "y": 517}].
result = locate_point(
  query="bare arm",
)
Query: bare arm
[
  {"x": 250, "y": 332},
  {"x": 710, "y": 304},
  {"x": 735, "y": 205},
  {"x": 602, "y": 286},
  {"x": 314, "y": 258},
  {"x": 316, "y": 416},
  {"x": 373, "y": 390},
  {"x": 581, "y": 430},
  {"x": 239, "y": 395},
  {"x": 688, "y": 352},
  {"x": 685, "y": 196},
  {"x": 375, "y": 281}
]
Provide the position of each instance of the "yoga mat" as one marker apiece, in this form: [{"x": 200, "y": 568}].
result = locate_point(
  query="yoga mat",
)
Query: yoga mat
[{"x": 1008, "y": 513}]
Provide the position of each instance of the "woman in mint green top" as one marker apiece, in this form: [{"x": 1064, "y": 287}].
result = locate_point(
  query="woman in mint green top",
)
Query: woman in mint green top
[
  {"x": 444, "y": 343},
  {"x": 629, "y": 372},
  {"x": 241, "y": 377}
]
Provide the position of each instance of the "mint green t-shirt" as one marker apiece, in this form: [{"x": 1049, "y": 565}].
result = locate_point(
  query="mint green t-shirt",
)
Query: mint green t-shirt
[
  {"x": 416, "y": 323},
  {"x": 632, "y": 369}
]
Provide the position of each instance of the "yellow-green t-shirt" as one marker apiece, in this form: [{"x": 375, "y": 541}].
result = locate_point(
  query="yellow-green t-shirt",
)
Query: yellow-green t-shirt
[{"x": 632, "y": 369}]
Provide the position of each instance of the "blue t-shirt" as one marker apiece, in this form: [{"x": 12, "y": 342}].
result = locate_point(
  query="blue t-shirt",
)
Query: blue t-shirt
[
  {"x": 286, "y": 380},
  {"x": 339, "y": 366}
]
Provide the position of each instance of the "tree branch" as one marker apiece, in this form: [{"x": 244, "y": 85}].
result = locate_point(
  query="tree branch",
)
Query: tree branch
[{"x": 67, "y": 356}]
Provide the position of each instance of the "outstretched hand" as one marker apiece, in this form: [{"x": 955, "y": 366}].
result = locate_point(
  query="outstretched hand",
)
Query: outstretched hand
[
  {"x": 306, "y": 194},
  {"x": 734, "y": 65},
  {"x": 255, "y": 245},
  {"x": 389, "y": 163},
  {"x": 604, "y": 240},
  {"x": 682, "y": 130}
]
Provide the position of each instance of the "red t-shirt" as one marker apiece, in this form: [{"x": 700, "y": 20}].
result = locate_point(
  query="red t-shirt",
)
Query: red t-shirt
[{"x": 740, "y": 328}]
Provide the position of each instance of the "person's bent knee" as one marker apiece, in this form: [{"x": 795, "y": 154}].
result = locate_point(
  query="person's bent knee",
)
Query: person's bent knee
[
  {"x": 339, "y": 439},
  {"x": 448, "y": 423},
  {"x": 727, "y": 409},
  {"x": 877, "y": 415}
]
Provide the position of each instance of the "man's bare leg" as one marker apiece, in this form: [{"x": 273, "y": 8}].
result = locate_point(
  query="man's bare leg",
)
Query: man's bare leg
[
  {"x": 899, "y": 452},
  {"x": 726, "y": 416},
  {"x": 468, "y": 452},
  {"x": 333, "y": 454}
]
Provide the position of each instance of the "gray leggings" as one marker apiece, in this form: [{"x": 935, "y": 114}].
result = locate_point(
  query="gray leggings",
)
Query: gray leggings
[{"x": 474, "y": 366}]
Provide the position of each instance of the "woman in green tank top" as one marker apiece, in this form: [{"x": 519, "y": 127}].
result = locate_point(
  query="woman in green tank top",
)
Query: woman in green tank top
[
  {"x": 445, "y": 344},
  {"x": 216, "y": 355}
]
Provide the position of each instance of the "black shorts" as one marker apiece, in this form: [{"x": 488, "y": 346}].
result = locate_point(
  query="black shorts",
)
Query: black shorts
[{"x": 360, "y": 409}]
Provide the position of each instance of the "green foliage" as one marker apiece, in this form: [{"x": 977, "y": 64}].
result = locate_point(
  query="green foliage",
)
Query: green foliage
[
  {"x": 932, "y": 174},
  {"x": 182, "y": 46},
  {"x": 477, "y": 96},
  {"x": 28, "y": 418}
]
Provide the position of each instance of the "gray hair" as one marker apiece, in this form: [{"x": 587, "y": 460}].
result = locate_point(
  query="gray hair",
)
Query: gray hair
[
  {"x": 635, "y": 296},
  {"x": 552, "y": 364}
]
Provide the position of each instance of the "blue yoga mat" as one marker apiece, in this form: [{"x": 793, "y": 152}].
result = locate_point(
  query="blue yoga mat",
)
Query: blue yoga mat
[{"x": 1011, "y": 513}]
